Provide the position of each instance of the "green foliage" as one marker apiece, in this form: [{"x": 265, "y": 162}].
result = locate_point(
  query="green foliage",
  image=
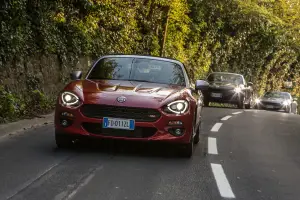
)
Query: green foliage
[
  {"x": 9, "y": 107},
  {"x": 257, "y": 38},
  {"x": 40, "y": 102},
  {"x": 13, "y": 106}
]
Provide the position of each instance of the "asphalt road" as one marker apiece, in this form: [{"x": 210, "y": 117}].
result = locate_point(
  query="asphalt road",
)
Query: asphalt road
[{"x": 248, "y": 155}]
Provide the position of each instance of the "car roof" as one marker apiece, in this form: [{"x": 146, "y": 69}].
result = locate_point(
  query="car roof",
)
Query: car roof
[
  {"x": 226, "y": 73},
  {"x": 142, "y": 56}
]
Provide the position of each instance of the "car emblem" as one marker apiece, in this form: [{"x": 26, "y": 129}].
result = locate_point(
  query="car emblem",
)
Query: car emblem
[{"x": 121, "y": 99}]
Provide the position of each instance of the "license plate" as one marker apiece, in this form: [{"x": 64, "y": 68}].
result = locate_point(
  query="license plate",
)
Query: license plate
[
  {"x": 116, "y": 123},
  {"x": 216, "y": 95},
  {"x": 268, "y": 106}
]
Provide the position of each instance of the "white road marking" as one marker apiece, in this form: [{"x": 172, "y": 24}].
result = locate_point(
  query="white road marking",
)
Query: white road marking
[
  {"x": 31, "y": 181},
  {"x": 84, "y": 183},
  {"x": 212, "y": 146},
  {"x": 236, "y": 113},
  {"x": 216, "y": 127},
  {"x": 226, "y": 118},
  {"x": 222, "y": 182},
  {"x": 69, "y": 194}
]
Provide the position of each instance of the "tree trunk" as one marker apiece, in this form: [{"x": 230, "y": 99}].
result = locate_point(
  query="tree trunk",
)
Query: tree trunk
[{"x": 162, "y": 51}]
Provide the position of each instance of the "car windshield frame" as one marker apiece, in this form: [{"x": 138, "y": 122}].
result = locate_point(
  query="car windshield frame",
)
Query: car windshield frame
[
  {"x": 185, "y": 81},
  {"x": 225, "y": 74},
  {"x": 282, "y": 95}
]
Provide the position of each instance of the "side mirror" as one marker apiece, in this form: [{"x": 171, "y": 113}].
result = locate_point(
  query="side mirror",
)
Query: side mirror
[
  {"x": 201, "y": 85},
  {"x": 250, "y": 84},
  {"x": 295, "y": 99},
  {"x": 76, "y": 75}
]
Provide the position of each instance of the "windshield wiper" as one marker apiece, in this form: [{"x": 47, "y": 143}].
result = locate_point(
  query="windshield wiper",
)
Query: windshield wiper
[
  {"x": 93, "y": 78},
  {"x": 140, "y": 80}
]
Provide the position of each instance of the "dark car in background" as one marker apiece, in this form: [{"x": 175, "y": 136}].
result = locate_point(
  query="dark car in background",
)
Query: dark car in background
[
  {"x": 276, "y": 100},
  {"x": 131, "y": 97},
  {"x": 229, "y": 88}
]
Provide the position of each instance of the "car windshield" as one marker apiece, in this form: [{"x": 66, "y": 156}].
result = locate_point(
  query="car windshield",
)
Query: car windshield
[
  {"x": 226, "y": 78},
  {"x": 277, "y": 95},
  {"x": 138, "y": 69}
]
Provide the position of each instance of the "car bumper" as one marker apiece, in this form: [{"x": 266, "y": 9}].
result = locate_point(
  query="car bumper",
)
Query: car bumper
[
  {"x": 274, "y": 107},
  {"x": 226, "y": 96},
  {"x": 82, "y": 126}
]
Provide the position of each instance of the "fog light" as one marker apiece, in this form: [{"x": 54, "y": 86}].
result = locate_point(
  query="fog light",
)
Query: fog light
[
  {"x": 178, "y": 131},
  {"x": 64, "y": 122},
  {"x": 175, "y": 123}
]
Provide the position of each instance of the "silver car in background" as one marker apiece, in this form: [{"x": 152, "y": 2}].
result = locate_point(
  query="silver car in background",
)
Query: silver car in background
[{"x": 277, "y": 101}]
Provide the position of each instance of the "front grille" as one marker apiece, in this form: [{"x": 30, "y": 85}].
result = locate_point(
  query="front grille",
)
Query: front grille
[
  {"x": 138, "y": 114},
  {"x": 139, "y": 132},
  {"x": 271, "y": 104},
  {"x": 227, "y": 95}
]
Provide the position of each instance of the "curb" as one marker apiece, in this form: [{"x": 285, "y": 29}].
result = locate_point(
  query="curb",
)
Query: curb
[{"x": 22, "y": 125}]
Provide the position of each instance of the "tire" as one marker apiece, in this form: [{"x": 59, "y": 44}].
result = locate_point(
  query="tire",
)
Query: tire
[
  {"x": 63, "y": 141},
  {"x": 206, "y": 103},
  {"x": 248, "y": 106},
  {"x": 188, "y": 149},
  {"x": 197, "y": 136},
  {"x": 240, "y": 105},
  {"x": 288, "y": 110}
]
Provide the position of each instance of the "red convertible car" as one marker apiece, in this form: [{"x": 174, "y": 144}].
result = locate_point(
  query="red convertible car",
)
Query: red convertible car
[{"x": 131, "y": 97}]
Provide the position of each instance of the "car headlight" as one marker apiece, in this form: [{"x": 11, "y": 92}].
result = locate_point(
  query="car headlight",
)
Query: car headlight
[
  {"x": 285, "y": 103},
  {"x": 177, "y": 107},
  {"x": 69, "y": 99},
  {"x": 237, "y": 90},
  {"x": 257, "y": 100}
]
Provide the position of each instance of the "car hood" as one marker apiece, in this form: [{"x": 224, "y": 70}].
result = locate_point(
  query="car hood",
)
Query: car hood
[
  {"x": 222, "y": 85},
  {"x": 138, "y": 94}
]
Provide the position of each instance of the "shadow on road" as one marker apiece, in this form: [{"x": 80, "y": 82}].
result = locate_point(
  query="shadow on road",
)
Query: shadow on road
[{"x": 131, "y": 148}]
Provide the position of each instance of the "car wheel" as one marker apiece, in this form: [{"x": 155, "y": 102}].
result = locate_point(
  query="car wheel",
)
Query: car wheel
[
  {"x": 188, "y": 149},
  {"x": 248, "y": 106},
  {"x": 197, "y": 136},
  {"x": 63, "y": 141},
  {"x": 240, "y": 105},
  {"x": 288, "y": 110},
  {"x": 206, "y": 103}
]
